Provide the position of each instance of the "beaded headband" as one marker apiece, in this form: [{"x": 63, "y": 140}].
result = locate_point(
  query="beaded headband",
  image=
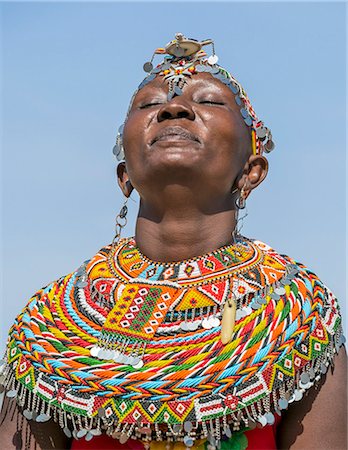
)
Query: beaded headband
[{"x": 183, "y": 58}]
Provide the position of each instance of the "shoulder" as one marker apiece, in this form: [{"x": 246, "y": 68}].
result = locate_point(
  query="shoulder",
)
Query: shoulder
[{"x": 305, "y": 424}]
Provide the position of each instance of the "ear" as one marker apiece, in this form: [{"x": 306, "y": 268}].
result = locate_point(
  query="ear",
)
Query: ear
[
  {"x": 123, "y": 179},
  {"x": 254, "y": 172}
]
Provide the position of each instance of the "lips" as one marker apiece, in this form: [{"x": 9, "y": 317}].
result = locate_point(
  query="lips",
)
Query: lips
[{"x": 175, "y": 133}]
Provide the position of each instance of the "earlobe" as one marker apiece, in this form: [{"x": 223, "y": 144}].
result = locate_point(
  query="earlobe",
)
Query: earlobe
[
  {"x": 258, "y": 169},
  {"x": 123, "y": 179}
]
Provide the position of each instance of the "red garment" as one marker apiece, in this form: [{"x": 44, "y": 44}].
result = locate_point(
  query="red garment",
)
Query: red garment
[{"x": 258, "y": 439}]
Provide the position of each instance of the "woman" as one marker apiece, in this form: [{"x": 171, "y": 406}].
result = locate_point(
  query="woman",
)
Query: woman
[{"x": 188, "y": 335}]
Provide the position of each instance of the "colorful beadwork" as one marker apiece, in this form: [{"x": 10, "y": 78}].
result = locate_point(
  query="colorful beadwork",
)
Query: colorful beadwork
[
  {"x": 183, "y": 58},
  {"x": 189, "y": 385}
]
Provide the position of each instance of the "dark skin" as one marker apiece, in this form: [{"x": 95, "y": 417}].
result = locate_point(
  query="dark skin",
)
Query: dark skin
[
  {"x": 185, "y": 184},
  {"x": 185, "y": 181}
]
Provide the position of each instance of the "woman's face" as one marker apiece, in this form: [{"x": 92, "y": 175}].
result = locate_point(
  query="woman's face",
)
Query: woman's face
[{"x": 198, "y": 139}]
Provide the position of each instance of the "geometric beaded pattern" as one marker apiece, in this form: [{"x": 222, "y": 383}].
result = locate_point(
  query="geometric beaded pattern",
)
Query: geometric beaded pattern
[{"x": 188, "y": 375}]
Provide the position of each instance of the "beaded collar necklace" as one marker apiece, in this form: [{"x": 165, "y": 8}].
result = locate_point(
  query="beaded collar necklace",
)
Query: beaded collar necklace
[{"x": 134, "y": 349}]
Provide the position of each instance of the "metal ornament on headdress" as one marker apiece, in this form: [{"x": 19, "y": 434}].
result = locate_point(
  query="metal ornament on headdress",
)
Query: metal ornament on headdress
[{"x": 185, "y": 57}]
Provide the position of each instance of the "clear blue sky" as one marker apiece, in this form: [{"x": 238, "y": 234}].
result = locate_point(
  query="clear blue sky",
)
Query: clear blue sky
[{"x": 68, "y": 71}]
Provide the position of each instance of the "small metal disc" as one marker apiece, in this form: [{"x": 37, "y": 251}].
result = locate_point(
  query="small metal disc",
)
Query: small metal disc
[
  {"x": 227, "y": 431},
  {"x": 305, "y": 385},
  {"x": 298, "y": 395},
  {"x": 305, "y": 378},
  {"x": 208, "y": 69},
  {"x": 139, "y": 364},
  {"x": 311, "y": 373},
  {"x": 283, "y": 403},
  {"x": 248, "y": 121},
  {"x": 213, "y": 59},
  {"x": 94, "y": 351},
  {"x": 184, "y": 326},
  {"x": 262, "y": 420},
  {"x": 239, "y": 314},
  {"x": 132, "y": 360},
  {"x": 43, "y": 418},
  {"x": 261, "y": 132},
  {"x": 177, "y": 90},
  {"x": 177, "y": 428},
  {"x": 67, "y": 432},
  {"x": 280, "y": 290},
  {"x": 148, "y": 66},
  {"x": 28, "y": 414},
  {"x": 262, "y": 300},
  {"x": 188, "y": 441},
  {"x": 206, "y": 324},
  {"x": 81, "y": 284},
  {"x": 285, "y": 281},
  {"x": 255, "y": 305},
  {"x": 165, "y": 66},
  {"x": 238, "y": 100},
  {"x": 200, "y": 68},
  {"x": 214, "y": 70},
  {"x": 275, "y": 296},
  {"x": 269, "y": 146},
  {"x": 89, "y": 436},
  {"x": 323, "y": 368},
  {"x": 11, "y": 394},
  {"x": 188, "y": 426},
  {"x": 192, "y": 326},
  {"x": 96, "y": 431},
  {"x": 157, "y": 69},
  {"x": 81, "y": 433},
  {"x": 215, "y": 322},
  {"x": 342, "y": 340},
  {"x": 108, "y": 354},
  {"x": 234, "y": 88},
  {"x": 123, "y": 438},
  {"x": 211, "y": 439},
  {"x": 270, "y": 418},
  {"x": 244, "y": 113},
  {"x": 247, "y": 310}
]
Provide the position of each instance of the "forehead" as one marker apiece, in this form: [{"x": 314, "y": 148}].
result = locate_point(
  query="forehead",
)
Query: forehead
[{"x": 197, "y": 82}]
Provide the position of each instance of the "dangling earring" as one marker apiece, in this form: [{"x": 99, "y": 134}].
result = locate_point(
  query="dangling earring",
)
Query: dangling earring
[
  {"x": 118, "y": 149},
  {"x": 240, "y": 204},
  {"x": 121, "y": 222},
  {"x": 241, "y": 200}
]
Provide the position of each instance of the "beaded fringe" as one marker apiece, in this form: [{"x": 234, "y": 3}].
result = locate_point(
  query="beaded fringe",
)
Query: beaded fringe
[{"x": 29, "y": 405}]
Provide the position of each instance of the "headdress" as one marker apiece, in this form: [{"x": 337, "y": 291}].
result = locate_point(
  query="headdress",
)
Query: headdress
[{"x": 185, "y": 57}]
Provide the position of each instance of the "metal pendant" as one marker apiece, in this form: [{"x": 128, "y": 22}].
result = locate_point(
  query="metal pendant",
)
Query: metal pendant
[{"x": 228, "y": 321}]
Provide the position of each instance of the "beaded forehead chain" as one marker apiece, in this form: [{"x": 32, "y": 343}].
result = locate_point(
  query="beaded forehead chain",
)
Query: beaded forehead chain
[{"x": 184, "y": 57}]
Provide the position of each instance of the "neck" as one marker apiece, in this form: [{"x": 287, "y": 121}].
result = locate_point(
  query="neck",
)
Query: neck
[{"x": 183, "y": 233}]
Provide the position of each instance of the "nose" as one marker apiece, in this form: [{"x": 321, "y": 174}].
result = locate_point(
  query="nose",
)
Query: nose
[{"x": 175, "y": 109}]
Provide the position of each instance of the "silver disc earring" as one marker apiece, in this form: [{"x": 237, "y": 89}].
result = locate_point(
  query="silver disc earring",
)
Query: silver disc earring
[{"x": 118, "y": 149}]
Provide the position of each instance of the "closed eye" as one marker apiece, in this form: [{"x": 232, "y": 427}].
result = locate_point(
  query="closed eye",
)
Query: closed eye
[
  {"x": 148, "y": 105},
  {"x": 210, "y": 102}
]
